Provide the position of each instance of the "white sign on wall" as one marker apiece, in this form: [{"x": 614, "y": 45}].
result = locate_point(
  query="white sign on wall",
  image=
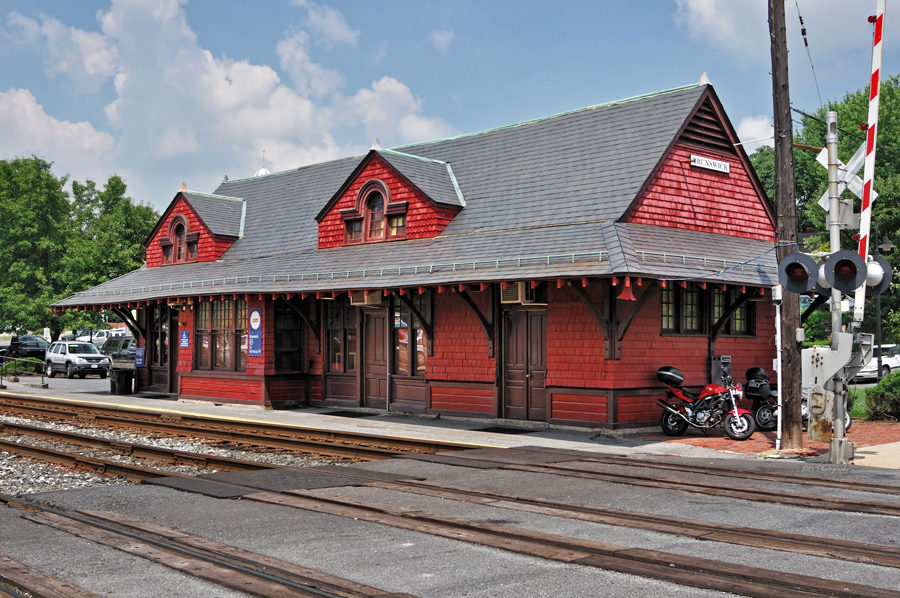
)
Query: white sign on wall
[{"x": 710, "y": 164}]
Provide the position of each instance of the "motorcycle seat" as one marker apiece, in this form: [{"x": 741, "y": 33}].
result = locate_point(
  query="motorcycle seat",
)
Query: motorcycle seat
[{"x": 688, "y": 394}]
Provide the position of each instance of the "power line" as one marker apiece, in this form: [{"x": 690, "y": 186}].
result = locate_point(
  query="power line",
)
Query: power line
[
  {"x": 846, "y": 132},
  {"x": 806, "y": 43}
]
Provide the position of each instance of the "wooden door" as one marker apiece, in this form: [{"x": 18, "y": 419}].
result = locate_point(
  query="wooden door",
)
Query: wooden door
[
  {"x": 525, "y": 364},
  {"x": 375, "y": 370}
]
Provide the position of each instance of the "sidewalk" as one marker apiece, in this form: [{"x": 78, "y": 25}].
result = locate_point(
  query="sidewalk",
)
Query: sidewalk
[{"x": 877, "y": 443}]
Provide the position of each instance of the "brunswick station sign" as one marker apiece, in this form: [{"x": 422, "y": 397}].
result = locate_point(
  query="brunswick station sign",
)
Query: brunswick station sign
[{"x": 710, "y": 164}]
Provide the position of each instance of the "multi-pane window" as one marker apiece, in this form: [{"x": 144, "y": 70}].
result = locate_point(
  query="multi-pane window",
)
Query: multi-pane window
[
  {"x": 693, "y": 310},
  {"x": 740, "y": 320},
  {"x": 288, "y": 340},
  {"x": 179, "y": 245},
  {"x": 682, "y": 310},
  {"x": 375, "y": 217},
  {"x": 221, "y": 337},
  {"x": 158, "y": 340},
  {"x": 410, "y": 342},
  {"x": 342, "y": 336}
]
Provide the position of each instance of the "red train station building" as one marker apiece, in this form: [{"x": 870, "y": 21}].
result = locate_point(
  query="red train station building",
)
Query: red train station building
[{"x": 540, "y": 271}]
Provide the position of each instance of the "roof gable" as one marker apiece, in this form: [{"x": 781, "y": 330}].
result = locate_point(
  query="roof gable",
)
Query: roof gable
[
  {"x": 689, "y": 189},
  {"x": 421, "y": 215}
]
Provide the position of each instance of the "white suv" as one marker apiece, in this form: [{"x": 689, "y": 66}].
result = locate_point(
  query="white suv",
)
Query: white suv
[
  {"x": 890, "y": 362},
  {"x": 74, "y": 357},
  {"x": 100, "y": 337}
]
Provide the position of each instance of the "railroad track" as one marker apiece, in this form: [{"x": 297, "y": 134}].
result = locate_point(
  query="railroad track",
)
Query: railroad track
[
  {"x": 219, "y": 563},
  {"x": 67, "y": 458},
  {"x": 699, "y": 573},
  {"x": 259, "y": 434},
  {"x": 691, "y": 571},
  {"x": 535, "y": 460}
]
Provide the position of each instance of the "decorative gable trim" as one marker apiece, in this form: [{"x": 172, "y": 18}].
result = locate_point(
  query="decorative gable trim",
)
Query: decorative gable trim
[{"x": 711, "y": 130}]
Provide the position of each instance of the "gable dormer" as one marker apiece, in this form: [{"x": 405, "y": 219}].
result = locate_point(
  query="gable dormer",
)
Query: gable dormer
[
  {"x": 390, "y": 196},
  {"x": 705, "y": 182},
  {"x": 196, "y": 227}
]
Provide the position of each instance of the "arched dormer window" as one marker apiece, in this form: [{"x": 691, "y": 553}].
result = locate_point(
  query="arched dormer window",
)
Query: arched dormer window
[
  {"x": 375, "y": 218},
  {"x": 179, "y": 245}
]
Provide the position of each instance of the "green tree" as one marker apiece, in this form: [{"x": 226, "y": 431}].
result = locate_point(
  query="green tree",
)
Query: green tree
[
  {"x": 53, "y": 245},
  {"x": 811, "y": 179},
  {"x": 34, "y": 210}
]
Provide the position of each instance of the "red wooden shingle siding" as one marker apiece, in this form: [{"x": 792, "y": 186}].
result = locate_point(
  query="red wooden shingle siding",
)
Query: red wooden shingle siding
[
  {"x": 460, "y": 344},
  {"x": 186, "y": 355},
  {"x": 209, "y": 247},
  {"x": 575, "y": 342},
  {"x": 423, "y": 218},
  {"x": 684, "y": 196},
  {"x": 575, "y": 354}
]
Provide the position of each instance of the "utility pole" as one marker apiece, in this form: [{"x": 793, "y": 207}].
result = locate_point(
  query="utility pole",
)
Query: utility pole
[{"x": 786, "y": 223}]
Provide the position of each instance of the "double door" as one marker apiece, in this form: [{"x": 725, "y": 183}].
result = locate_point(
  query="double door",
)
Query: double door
[{"x": 525, "y": 364}]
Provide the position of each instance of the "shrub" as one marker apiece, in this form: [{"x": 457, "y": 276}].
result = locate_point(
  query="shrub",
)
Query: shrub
[
  {"x": 883, "y": 399},
  {"x": 22, "y": 366}
]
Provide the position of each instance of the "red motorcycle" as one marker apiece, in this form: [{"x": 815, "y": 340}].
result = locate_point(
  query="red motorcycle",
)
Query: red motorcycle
[{"x": 713, "y": 406}]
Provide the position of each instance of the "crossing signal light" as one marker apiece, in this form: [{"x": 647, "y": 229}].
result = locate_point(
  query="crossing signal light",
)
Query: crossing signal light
[
  {"x": 878, "y": 276},
  {"x": 798, "y": 273},
  {"x": 844, "y": 270}
]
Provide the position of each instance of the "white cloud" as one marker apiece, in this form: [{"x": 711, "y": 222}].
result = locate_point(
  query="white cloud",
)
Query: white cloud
[
  {"x": 755, "y": 129},
  {"x": 181, "y": 114},
  {"x": 82, "y": 56},
  {"x": 390, "y": 106},
  {"x": 28, "y": 129},
  {"x": 328, "y": 23},
  {"x": 736, "y": 27},
  {"x": 309, "y": 77},
  {"x": 441, "y": 39}
]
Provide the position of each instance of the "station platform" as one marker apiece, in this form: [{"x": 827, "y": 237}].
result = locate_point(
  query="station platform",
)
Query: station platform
[{"x": 877, "y": 443}]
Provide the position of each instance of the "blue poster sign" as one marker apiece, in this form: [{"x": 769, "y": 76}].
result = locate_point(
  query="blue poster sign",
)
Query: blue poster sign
[
  {"x": 255, "y": 335},
  {"x": 185, "y": 339},
  {"x": 139, "y": 358}
]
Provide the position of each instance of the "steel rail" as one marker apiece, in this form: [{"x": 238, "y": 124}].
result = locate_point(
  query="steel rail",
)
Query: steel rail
[
  {"x": 860, "y": 552},
  {"x": 172, "y": 456},
  {"x": 183, "y": 558},
  {"x": 671, "y": 567},
  {"x": 791, "y": 478},
  {"x": 315, "y": 437},
  {"x": 132, "y": 473},
  {"x": 729, "y": 490},
  {"x": 723, "y": 489}
]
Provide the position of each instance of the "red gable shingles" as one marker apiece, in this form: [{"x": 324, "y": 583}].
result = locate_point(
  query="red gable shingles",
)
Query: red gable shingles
[
  {"x": 694, "y": 198},
  {"x": 209, "y": 247},
  {"x": 423, "y": 218}
]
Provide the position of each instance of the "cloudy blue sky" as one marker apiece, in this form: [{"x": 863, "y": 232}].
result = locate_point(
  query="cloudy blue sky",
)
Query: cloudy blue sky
[{"x": 168, "y": 91}]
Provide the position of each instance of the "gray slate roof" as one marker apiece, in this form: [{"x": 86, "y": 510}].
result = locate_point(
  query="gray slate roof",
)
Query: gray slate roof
[
  {"x": 433, "y": 177},
  {"x": 542, "y": 200},
  {"x": 222, "y": 215}
]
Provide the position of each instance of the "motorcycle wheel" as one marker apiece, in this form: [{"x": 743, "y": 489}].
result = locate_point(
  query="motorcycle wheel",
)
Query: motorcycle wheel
[
  {"x": 672, "y": 425},
  {"x": 765, "y": 417},
  {"x": 739, "y": 428}
]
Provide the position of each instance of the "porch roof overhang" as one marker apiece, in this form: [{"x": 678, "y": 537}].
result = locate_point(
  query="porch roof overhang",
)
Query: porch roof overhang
[{"x": 573, "y": 251}]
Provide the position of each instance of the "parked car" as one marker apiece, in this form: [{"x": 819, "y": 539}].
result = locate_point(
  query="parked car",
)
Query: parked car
[
  {"x": 17, "y": 340},
  {"x": 890, "y": 362},
  {"x": 121, "y": 351},
  {"x": 99, "y": 337},
  {"x": 35, "y": 348},
  {"x": 75, "y": 357}
]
